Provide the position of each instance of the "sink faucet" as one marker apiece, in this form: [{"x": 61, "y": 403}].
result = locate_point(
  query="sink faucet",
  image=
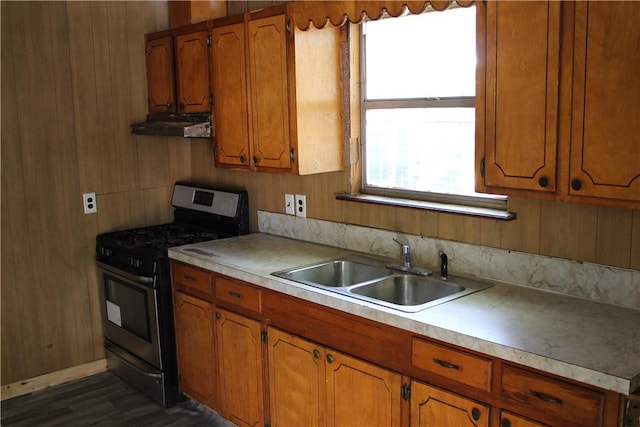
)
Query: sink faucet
[
  {"x": 406, "y": 262},
  {"x": 406, "y": 253}
]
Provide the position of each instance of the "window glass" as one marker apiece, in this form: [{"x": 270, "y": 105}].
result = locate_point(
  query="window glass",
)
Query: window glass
[
  {"x": 419, "y": 105},
  {"x": 422, "y": 56}
]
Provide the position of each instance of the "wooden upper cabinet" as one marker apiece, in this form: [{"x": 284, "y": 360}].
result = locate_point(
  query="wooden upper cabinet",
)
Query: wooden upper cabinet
[
  {"x": 522, "y": 42},
  {"x": 192, "y": 72},
  {"x": 277, "y": 95},
  {"x": 228, "y": 75},
  {"x": 160, "y": 75},
  {"x": 605, "y": 132},
  {"x": 557, "y": 101},
  {"x": 269, "y": 95}
]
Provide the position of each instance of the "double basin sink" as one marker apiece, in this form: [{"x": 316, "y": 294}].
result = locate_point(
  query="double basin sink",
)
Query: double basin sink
[{"x": 375, "y": 283}]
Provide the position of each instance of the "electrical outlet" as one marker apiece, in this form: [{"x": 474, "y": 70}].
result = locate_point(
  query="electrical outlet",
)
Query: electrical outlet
[
  {"x": 90, "y": 203},
  {"x": 301, "y": 205},
  {"x": 289, "y": 204}
]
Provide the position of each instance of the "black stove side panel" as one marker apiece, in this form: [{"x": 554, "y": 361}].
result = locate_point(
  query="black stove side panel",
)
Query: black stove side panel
[{"x": 167, "y": 331}]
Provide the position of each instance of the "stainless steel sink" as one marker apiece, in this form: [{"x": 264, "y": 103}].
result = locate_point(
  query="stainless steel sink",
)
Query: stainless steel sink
[
  {"x": 408, "y": 290},
  {"x": 337, "y": 273},
  {"x": 372, "y": 282}
]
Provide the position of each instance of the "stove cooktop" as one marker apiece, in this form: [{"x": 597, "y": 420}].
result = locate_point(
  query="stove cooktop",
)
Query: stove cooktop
[{"x": 159, "y": 237}]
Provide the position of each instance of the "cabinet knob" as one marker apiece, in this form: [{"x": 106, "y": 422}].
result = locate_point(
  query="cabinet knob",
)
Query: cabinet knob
[
  {"x": 255, "y": 160},
  {"x": 169, "y": 105},
  {"x": 243, "y": 159},
  {"x": 475, "y": 414},
  {"x": 576, "y": 184},
  {"x": 218, "y": 316},
  {"x": 329, "y": 358},
  {"x": 543, "y": 181},
  {"x": 316, "y": 354},
  {"x": 505, "y": 423}
]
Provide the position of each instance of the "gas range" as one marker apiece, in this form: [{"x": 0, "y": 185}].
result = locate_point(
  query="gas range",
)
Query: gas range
[
  {"x": 200, "y": 215},
  {"x": 135, "y": 284}
]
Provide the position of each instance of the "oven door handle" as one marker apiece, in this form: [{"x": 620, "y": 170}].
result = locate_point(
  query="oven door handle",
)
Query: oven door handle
[{"x": 126, "y": 275}]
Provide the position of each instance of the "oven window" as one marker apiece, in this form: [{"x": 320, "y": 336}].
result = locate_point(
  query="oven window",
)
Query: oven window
[{"x": 127, "y": 307}]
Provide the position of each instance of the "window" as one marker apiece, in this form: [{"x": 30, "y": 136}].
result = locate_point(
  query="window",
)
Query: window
[{"x": 418, "y": 108}]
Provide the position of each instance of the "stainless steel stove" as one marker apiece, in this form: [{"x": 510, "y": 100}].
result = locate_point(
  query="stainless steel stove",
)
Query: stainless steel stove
[{"x": 136, "y": 284}]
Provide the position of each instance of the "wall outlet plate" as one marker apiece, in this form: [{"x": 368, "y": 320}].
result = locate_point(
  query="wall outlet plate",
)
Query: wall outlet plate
[
  {"x": 289, "y": 204},
  {"x": 301, "y": 205},
  {"x": 90, "y": 203}
]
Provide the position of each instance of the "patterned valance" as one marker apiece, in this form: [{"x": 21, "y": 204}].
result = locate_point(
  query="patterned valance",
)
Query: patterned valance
[{"x": 337, "y": 13}]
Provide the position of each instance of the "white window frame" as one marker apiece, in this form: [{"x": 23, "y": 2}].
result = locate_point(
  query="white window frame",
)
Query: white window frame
[{"x": 482, "y": 201}]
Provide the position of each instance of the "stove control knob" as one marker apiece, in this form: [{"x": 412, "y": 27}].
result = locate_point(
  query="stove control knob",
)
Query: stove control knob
[
  {"x": 106, "y": 252},
  {"x": 134, "y": 262}
]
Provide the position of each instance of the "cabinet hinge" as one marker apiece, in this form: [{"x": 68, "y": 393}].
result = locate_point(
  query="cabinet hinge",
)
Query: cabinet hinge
[
  {"x": 292, "y": 155},
  {"x": 264, "y": 337},
  {"x": 215, "y": 150},
  {"x": 287, "y": 26},
  {"x": 209, "y": 41},
  {"x": 482, "y": 167},
  {"x": 405, "y": 392},
  {"x": 211, "y": 98}
]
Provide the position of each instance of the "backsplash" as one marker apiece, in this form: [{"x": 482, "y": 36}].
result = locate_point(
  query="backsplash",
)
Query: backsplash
[{"x": 581, "y": 279}]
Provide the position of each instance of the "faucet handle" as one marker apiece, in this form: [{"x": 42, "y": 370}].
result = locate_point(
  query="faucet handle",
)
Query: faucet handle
[{"x": 401, "y": 243}]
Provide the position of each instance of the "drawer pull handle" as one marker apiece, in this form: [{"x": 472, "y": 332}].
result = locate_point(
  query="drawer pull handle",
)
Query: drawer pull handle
[
  {"x": 446, "y": 364},
  {"x": 545, "y": 397},
  {"x": 190, "y": 278},
  {"x": 234, "y": 294}
]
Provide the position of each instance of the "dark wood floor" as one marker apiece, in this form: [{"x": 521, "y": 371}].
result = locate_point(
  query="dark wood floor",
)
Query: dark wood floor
[{"x": 101, "y": 400}]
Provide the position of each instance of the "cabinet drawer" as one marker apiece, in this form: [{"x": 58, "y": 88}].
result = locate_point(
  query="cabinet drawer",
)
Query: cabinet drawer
[
  {"x": 453, "y": 364},
  {"x": 192, "y": 277},
  {"x": 239, "y": 294},
  {"x": 559, "y": 400}
]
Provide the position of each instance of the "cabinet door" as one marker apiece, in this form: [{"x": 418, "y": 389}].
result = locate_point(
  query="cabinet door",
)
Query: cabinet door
[
  {"x": 605, "y": 142},
  {"x": 521, "y": 95},
  {"x": 160, "y": 75},
  {"x": 508, "y": 419},
  {"x": 361, "y": 394},
  {"x": 240, "y": 368},
  {"x": 268, "y": 92},
  {"x": 196, "y": 348},
  {"x": 228, "y": 71},
  {"x": 432, "y": 407},
  {"x": 296, "y": 381},
  {"x": 192, "y": 72}
]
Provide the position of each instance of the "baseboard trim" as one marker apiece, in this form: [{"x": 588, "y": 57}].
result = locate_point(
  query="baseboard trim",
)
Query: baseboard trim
[{"x": 54, "y": 378}]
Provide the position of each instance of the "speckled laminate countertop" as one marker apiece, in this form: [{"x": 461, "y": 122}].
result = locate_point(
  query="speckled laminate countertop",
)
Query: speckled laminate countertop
[{"x": 591, "y": 342}]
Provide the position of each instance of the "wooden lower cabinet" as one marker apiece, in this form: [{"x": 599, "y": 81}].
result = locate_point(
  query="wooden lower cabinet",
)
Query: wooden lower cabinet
[
  {"x": 507, "y": 419},
  {"x": 239, "y": 346},
  {"x": 433, "y": 407},
  {"x": 195, "y": 344},
  {"x": 314, "y": 386}
]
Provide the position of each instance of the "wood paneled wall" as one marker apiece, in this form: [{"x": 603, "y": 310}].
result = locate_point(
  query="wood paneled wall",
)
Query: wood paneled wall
[{"x": 73, "y": 80}]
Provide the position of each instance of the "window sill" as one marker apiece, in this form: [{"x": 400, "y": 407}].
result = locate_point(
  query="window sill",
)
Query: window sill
[{"x": 429, "y": 206}]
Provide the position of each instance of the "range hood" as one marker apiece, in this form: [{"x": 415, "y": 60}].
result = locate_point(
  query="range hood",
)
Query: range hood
[{"x": 187, "y": 125}]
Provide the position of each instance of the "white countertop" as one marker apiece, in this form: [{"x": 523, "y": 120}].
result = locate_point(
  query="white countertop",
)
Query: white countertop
[{"x": 591, "y": 342}]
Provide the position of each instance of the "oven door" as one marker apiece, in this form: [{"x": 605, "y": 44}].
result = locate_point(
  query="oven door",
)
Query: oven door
[{"x": 129, "y": 309}]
